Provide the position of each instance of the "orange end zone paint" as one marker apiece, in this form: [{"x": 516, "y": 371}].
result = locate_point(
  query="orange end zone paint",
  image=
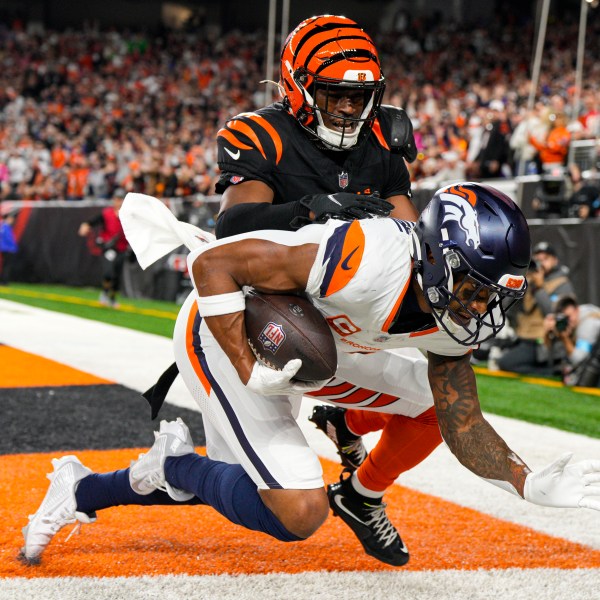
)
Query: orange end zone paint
[
  {"x": 128, "y": 541},
  {"x": 22, "y": 369}
]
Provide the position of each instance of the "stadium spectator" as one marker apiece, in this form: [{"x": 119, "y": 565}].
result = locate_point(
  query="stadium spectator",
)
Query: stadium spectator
[
  {"x": 548, "y": 280},
  {"x": 4, "y": 180},
  {"x": 554, "y": 148},
  {"x": 590, "y": 117},
  {"x": 584, "y": 202},
  {"x": 18, "y": 173},
  {"x": 8, "y": 247},
  {"x": 492, "y": 159},
  {"x": 78, "y": 174},
  {"x": 532, "y": 123},
  {"x": 450, "y": 168}
]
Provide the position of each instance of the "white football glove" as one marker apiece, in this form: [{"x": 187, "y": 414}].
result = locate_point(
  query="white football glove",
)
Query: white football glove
[
  {"x": 563, "y": 486},
  {"x": 270, "y": 382}
]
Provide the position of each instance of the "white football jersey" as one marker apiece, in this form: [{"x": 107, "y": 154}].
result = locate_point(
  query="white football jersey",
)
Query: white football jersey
[{"x": 358, "y": 281}]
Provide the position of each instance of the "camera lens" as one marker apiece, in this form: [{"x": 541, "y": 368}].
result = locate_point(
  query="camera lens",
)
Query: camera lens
[{"x": 562, "y": 321}]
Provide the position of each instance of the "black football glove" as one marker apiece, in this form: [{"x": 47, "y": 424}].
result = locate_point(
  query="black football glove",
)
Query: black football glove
[{"x": 343, "y": 206}]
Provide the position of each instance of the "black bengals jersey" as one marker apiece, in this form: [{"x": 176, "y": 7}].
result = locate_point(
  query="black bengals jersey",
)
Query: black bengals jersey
[{"x": 270, "y": 146}]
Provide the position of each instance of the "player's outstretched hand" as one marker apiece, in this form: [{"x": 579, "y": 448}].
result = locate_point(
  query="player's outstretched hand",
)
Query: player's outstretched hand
[
  {"x": 270, "y": 382},
  {"x": 565, "y": 486},
  {"x": 344, "y": 206}
]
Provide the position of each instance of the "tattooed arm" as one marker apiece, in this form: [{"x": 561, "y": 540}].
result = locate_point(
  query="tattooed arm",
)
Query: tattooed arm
[
  {"x": 479, "y": 448},
  {"x": 469, "y": 436}
]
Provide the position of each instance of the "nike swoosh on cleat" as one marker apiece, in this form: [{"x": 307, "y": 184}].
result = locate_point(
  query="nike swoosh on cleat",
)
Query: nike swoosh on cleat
[
  {"x": 234, "y": 155},
  {"x": 345, "y": 264},
  {"x": 338, "y": 502},
  {"x": 340, "y": 505}
]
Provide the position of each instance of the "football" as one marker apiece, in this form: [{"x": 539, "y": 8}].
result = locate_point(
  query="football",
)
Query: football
[{"x": 281, "y": 327}]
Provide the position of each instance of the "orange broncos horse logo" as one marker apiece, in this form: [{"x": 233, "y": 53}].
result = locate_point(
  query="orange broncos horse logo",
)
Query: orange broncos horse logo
[{"x": 459, "y": 206}]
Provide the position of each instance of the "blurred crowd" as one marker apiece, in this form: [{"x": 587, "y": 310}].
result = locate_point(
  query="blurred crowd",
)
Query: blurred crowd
[{"x": 85, "y": 112}]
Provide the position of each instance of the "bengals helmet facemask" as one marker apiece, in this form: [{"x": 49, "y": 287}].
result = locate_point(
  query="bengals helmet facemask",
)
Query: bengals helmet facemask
[
  {"x": 471, "y": 245},
  {"x": 333, "y": 59}
]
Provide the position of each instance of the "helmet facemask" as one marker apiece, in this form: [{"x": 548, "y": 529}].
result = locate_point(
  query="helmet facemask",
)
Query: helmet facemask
[
  {"x": 452, "y": 303},
  {"x": 324, "y": 94}
]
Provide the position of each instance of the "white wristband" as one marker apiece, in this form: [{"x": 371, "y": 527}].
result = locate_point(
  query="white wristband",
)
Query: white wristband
[
  {"x": 221, "y": 304},
  {"x": 503, "y": 485}
]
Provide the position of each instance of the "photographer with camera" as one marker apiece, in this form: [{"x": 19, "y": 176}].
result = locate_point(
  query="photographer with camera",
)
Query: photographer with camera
[
  {"x": 548, "y": 280},
  {"x": 577, "y": 328}
]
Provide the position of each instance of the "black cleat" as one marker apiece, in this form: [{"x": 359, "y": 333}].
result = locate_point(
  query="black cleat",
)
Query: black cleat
[
  {"x": 367, "y": 519},
  {"x": 330, "y": 420}
]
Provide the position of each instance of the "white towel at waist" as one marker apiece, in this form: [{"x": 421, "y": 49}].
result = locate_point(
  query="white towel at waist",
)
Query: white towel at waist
[{"x": 153, "y": 231}]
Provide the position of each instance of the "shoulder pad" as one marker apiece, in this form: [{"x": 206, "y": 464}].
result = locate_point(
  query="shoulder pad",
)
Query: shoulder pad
[{"x": 401, "y": 137}]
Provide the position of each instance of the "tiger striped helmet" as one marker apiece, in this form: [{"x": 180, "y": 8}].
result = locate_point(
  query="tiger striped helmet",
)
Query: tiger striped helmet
[{"x": 334, "y": 55}]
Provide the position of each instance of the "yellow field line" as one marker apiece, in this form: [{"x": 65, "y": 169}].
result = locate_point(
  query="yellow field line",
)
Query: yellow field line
[
  {"x": 587, "y": 390},
  {"x": 505, "y": 374},
  {"x": 536, "y": 381},
  {"x": 85, "y": 302}
]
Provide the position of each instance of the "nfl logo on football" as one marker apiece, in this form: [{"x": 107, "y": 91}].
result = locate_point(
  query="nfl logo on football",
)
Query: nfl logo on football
[
  {"x": 271, "y": 337},
  {"x": 343, "y": 179}
]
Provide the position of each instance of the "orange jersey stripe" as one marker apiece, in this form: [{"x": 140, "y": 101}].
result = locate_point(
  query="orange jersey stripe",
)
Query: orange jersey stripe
[
  {"x": 384, "y": 400},
  {"x": 275, "y": 137},
  {"x": 248, "y": 131},
  {"x": 335, "y": 390},
  {"x": 189, "y": 345},
  {"x": 388, "y": 321},
  {"x": 350, "y": 259},
  {"x": 379, "y": 135},
  {"x": 360, "y": 395},
  {"x": 224, "y": 133},
  {"x": 426, "y": 332}
]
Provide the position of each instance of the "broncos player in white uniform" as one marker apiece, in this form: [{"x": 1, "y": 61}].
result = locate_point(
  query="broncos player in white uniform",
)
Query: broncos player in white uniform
[{"x": 462, "y": 266}]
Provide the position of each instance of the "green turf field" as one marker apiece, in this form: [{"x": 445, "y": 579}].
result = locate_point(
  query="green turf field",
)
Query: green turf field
[
  {"x": 538, "y": 401},
  {"x": 150, "y": 316}
]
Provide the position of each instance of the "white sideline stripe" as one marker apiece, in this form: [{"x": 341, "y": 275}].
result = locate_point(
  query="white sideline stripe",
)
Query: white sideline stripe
[
  {"x": 508, "y": 584},
  {"x": 136, "y": 359}
]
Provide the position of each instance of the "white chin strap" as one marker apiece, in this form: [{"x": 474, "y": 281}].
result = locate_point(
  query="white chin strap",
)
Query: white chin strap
[
  {"x": 338, "y": 140},
  {"x": 335, "y": 137}
]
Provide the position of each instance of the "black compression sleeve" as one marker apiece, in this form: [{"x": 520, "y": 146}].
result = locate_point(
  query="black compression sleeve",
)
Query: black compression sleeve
[{"x": 242, "y": 218}]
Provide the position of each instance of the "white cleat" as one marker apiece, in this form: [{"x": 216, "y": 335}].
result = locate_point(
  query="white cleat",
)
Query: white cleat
[
  {"x": 58, "y": 508},
  {"x": 147, "y": 474}
]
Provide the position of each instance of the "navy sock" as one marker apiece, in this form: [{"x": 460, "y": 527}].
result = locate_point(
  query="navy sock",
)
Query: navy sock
[
  {"x": 103, "y": 490},
  {"x": 228, "y": 489}
]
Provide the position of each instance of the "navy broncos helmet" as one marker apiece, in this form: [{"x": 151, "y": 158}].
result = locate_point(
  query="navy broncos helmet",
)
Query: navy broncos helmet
[{"x": 474, "y": 237}]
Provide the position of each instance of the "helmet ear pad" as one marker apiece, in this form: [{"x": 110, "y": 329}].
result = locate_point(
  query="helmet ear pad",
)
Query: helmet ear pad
[{"x": 305, "y": 85}]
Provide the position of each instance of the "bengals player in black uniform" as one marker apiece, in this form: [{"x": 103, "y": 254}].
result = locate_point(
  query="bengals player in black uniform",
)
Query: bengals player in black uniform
[{"x": 330, "y": 150}]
